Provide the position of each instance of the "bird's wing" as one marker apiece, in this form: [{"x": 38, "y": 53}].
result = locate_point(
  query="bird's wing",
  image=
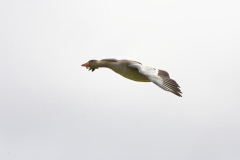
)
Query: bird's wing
[
  {"x": 109, "y": 60},
  {"x": 160, "y": 78}
]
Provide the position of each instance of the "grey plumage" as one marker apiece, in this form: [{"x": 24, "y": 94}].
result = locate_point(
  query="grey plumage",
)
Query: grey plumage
[{"x": 135, "y": 71}]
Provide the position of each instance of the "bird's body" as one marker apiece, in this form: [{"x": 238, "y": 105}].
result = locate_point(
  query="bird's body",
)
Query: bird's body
[
  {"x": 137, "y": 72},
  {"x": 126, "y": 71}
]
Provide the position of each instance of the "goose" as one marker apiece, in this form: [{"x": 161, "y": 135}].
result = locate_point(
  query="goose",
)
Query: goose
[{"x": 135, "y": 71}]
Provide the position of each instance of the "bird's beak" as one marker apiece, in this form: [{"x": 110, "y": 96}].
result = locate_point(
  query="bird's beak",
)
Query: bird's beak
[{"x": 85, "y": 64}]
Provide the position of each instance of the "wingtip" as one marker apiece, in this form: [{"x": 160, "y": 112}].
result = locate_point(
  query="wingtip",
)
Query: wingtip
[{"x": 177, "y": 93}]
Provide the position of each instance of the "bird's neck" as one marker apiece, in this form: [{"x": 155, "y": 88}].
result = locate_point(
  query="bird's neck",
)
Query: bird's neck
[{"x": 105, "y": 64}]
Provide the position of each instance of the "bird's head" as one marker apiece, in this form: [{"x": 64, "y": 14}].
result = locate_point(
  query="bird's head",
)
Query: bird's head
[{"x": 91, "y": 65}]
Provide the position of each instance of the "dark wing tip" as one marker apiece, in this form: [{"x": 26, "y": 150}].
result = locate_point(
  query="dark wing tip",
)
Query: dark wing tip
[
  {"x": 178, "y": 94},
  {"x": 172, "y": 86}
]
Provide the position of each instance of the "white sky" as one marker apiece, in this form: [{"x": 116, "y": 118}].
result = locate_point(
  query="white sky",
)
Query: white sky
[{"x": 51, "y": 108}]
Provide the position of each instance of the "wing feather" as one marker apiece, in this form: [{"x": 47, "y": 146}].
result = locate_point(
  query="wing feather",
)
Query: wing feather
[{"x": 160, "y": 78}]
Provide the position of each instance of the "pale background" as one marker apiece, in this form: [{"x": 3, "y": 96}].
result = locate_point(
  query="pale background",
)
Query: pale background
[{"x": 51, "y": 108}]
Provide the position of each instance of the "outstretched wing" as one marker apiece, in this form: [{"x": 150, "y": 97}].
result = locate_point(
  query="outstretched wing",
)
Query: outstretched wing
[
  {"x": 160, "y": 78},
  {"x": 109, "y": 60}
]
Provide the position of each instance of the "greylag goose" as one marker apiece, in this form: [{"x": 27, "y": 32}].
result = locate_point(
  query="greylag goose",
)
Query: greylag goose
[{"x": 137, "y": 72}]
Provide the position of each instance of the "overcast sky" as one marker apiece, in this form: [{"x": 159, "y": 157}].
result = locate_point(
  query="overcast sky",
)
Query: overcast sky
[{"x": 51, "y": 108}]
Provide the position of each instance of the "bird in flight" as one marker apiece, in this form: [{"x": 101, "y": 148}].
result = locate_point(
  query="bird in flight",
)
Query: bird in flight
[{"x": 137, "y": 72}]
